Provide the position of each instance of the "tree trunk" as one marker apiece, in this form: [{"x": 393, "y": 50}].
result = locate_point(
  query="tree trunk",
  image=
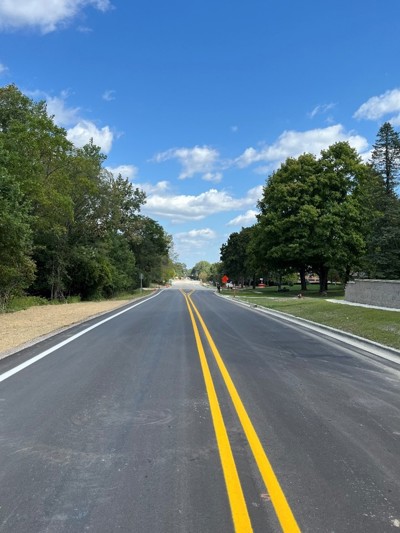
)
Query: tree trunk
[
  {"x": 323, "y": 278},
  {"x": 347, "y": 274},
  {"x": 303, "y": 281}
]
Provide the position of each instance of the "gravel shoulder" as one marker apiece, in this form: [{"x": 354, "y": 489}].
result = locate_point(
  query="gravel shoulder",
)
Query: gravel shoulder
[{"x": 24, "y": 328}]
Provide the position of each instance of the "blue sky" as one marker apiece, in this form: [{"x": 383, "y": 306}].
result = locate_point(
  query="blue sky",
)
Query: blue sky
[{"x": 198, "y": 102}]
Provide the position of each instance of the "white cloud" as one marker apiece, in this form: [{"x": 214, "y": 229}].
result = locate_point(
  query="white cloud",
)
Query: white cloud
[
  {"x": 197, "y": 160},
  {"x": 86, "y": 130},
  {"x": 47, "y": 15},
  {"x": 214, "y": 177},
  {"x": 321, "y": 109},
  {"x": 3, "y": 69},
  {"x": 195, "y": 235},
  {"x": 379, "y": 106},
  {"x": 195, "y": 242},
  {"x": 79, "y": 130},
  {"x": 179, "y": 208},
  {"x": 63, "y": 115},
  {"x": 126, "y": 171},
  {"x": 294, "y": 143},
  {"x": 395, "y": 121},
  {"x": 248, "y": 219},
  {"x": 160, "y": 187},
  {"x": 108, "y": 96}
]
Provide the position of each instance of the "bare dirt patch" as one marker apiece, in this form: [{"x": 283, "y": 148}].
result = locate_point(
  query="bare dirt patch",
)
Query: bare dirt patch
[{"x": 24, "y": 328}]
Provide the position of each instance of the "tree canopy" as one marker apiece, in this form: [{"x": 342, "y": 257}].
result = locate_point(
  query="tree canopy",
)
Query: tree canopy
[
  {"x": 67, "y": 225},
  {"x": 332, "y": 212}
]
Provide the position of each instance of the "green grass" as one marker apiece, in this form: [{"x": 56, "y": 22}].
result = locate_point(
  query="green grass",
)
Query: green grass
[
  {"x": 373, "y": 324},
  {"x": 334, "y": 291},
  {"x": 19, "y": 303}
]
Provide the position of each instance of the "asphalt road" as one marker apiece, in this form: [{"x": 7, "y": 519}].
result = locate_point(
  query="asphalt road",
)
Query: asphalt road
[{"x": 137, "y": 426}]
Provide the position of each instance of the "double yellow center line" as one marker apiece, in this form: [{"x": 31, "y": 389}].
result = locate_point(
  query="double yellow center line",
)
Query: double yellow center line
[{"x": 240, "y": 514}]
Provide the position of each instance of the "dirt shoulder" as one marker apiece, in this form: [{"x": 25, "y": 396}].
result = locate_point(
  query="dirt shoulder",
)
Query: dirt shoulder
[{"x": 23, "y": 328}]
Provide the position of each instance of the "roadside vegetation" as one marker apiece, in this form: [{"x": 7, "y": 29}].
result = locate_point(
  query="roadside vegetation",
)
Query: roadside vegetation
[
  {"x": 333, "y": 216},
  {"x": 20, "y": 303},
  {"x": 382, "y": 326},
  {"x": 69, "y": 228}
]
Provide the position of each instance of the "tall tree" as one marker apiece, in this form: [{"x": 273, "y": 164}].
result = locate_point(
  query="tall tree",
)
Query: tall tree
[
  {"x": 288, "y": 216},
  {"x": 150, "y": 245},
  {"x": 38, "y": 155},
  {"x": 235, "y": 257},
  {"x": 309, "y": 216},
  {"x": 80, "y": 224},
  {"x": 386, "y": 156},
  {"x": 382, "y": 260},
  {"x": 201, "y": 270},
  {"x": 17, "y": 269}
]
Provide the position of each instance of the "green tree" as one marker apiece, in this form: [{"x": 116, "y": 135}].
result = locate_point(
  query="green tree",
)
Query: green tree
[
  {"x": 309, "y": 216},
  {"x": 17, "y": 270},
  {"x": 84, "y": 225},
  {"x": 386, "y": 156},
  {"x": 37, "y": 159},
  {"x": 201, "y": 270},
  {"x": 180, "y": 269},
  {"x": 216, "y": 272},
  {"x": 235, "y": 255},
  {"x": 382, "y": 260},
  {"x": 287, "y": 217},
  {"x": 150, "y": 245}
]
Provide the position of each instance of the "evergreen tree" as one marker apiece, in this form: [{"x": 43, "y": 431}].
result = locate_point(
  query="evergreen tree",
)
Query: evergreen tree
[{"x": 386, "y": 156}]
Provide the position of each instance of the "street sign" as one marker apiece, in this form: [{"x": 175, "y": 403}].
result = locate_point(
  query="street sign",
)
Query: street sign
[{"x": 224, "y": 279}]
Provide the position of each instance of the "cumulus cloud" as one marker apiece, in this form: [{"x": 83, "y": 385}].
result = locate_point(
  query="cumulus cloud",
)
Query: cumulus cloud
[
  {"x": 46, "y": 15},
  {"x": 294, "y": 143},
  {"x": 197, "y": 160},
  {"x": 195, "y": 241},
  {"x": 379, "y": 106},
  {"x": 247, "y": 219},
  {"x": 63, "y": 115},
  {"x": 79, "y": 130},
  {"x": 179, "y": 208},
  {"x": 126, "y": 171},
  {"x": 195, "y": 237},
  {"x": 86, "y": 130},
  {"x": 161, "y": 187}
]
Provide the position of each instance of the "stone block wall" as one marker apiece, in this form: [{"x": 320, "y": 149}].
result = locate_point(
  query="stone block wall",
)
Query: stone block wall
[{"x": 382, "y": 293}]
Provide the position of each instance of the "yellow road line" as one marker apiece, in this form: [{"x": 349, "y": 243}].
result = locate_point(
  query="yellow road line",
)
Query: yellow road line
[
  {"x": 240, "y": 515},
  {"x": 278, "y": 498}
]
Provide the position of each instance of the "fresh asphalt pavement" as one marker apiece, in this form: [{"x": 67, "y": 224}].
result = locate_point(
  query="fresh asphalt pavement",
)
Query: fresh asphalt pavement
[{"x": 112, "y": 431}]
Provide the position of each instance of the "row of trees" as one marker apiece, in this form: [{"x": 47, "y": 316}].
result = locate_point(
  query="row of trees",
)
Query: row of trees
[
  {"x": 67, "y": 225},
  {"x": 205, "y": 271},
  {"x": 325, "y": 214}
]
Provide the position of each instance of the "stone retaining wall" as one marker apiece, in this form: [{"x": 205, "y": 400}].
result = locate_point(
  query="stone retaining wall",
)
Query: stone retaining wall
[{"x": 382, "y": 293}]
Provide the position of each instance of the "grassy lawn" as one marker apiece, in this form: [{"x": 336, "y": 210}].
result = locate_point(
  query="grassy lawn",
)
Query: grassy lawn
[{"x": 374, "y": 324}]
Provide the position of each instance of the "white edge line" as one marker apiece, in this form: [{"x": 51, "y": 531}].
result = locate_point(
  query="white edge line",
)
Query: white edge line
[{"x": 29, "y": 362}]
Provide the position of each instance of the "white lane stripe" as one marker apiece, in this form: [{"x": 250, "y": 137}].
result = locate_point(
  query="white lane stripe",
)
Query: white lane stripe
[{"x": 20, "y": 367}]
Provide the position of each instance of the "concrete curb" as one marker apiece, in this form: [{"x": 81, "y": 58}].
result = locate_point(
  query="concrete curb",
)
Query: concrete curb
[{"x": 375, "y": 348}]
